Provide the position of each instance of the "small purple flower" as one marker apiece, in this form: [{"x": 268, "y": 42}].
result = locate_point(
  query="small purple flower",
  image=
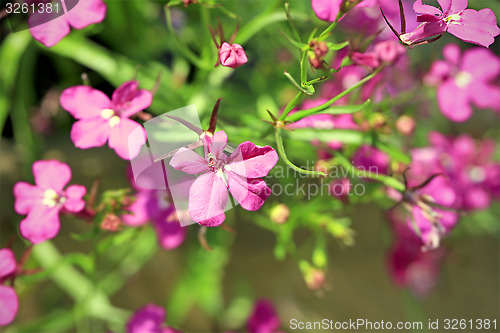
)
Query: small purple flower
[
  {"x": 478, "y": 27},
  {"x": 155, "y": 206},
  {"x": 263, "y": 318},
  {"x": 149, "y": 319},
  {"x": 240, "y": 173},
  {"x": 43, "y": 202},
  {"x": 465, "y": 79},
  {"x": 50, "y": 28},
  {"x": 9, "y": 302},
  {"x": 232, "y": 55},
  {"x": 100, "y": 118}
]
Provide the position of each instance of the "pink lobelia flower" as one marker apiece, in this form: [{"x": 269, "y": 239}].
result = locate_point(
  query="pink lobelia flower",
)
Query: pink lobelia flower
[
  {"x": 263, "y": 318},
  {"x": 50, "y": 28},
  {"x": 100, "y": 119},
  {"x": 328, "y": 10},
  {"x": 478, "y": 27},
  {"x": 232, "y": 55},
  {"x": 43, "y": 201},
  {"x": 240, "y": 173},
  {"x": 149, "y": 319},
  {"x": 9, "y": 302},
  {"x": 155, "y": 206},
  {"x": 465, "y": 79}
]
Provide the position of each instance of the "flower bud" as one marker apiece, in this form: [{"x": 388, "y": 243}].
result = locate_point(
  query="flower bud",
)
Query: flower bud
[
  {"x": 111, "y": 222},
  {"x": 368, "y": 59},
  {"x": 341, "y": 188},
  {"x": 389, "y": 51},
  {"x": 405, "y": 125},
  {"x": 280, "y": 214},
  {"x": 232, "y": 55}
]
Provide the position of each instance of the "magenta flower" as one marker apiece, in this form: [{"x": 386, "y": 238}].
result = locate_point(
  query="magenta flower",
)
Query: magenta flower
[
  {"x": 9, "y": 302},
  {"x": 263, "y": 318},
  {"x": 464, "y": 80},
  {"x": 101, "y": 119},
  {"x": 149, "y": 319},
  {"x": 478, "y": 27},
  {"x": 43, "y": 202},
  {"x": 240, "y": 173},
  {"x": 232, "y": 55},
  {"x": 155, "y": 206},
  {"x": 50, "y": 28},
  {"x": 328, "y": 10},
  {"x": 371, "y": 159}
]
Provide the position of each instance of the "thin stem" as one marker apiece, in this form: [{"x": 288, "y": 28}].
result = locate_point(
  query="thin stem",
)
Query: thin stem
[
  {"x": 325, "y": 105},
  {"x": 331, "y": 26},
  {"x": 293, "y": 103},
  {"x": 281, "y": 150}
]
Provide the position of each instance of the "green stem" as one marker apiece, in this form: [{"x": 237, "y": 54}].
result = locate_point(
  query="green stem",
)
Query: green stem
[
  {"x": 319, "y": 108},
  {"x": 293, "y": 103},
  {"x": 281, "y": 150},
  {"x": 330, "y": 27},
  {"x": 384, "y": 179}
]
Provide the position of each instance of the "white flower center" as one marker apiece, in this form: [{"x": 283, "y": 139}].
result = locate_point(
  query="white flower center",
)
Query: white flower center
[
  {"x": 111, "y": 116},
  {"x": 477, "y": 174},
  {"x": 50, "y": 198},
  {"x": 462, "y": 79},
  {"x": 452, "y": 18}
]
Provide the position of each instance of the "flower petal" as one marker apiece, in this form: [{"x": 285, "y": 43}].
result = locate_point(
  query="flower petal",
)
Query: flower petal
[
  {"x": 9, "y": 304},
  {"x": 128, "y": 99},
  {"x": 454, "y": 102},
  {"x": 424, "y": 31},
  {"x": 250, "y": 193},
  {"x": 147, "y": 319},
  {"x": 252, "y": 161},
  {"x": 41, "y": 224},
  {"x": 86, "y": 12},
  {"x": 215, "y": 144},
  {"x": 326, "y": 10},
  {"x": 169, "y": 230},
  {"x": 127, "y": 138},
  {"x": 188, "y": 161},
  {"x": 27, "y": 196},
  {"x": 478, "y": 27},
  {"x": 88, "y": 133},
  {"x": 48, "y": 28},
  {"x": 51, "y": 174},
  {"x": 84, "y": 102},
  {"x": 7, "y": 262},
  {"x": 481, "y": 63},
  {"x": 74, "y": 202},
  {"x": 138, "y": 209},
  {"x": 263, "y": 318},
  {"x": 207, "y": 200},
  {"x": 422, "y": 9}
]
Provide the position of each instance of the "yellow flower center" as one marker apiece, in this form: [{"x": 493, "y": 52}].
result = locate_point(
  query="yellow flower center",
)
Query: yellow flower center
[
  {"x": 111, "y": 115},
  {"x": 50, "y": 198},
  {"x": 463, "y": 79}
]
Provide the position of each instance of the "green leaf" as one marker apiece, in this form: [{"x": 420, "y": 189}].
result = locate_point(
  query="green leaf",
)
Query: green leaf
[
  {"x": 394, "y": 152},
  {"x": 337, "y": 46},
  {"x": 342, "y": 135},
  {"x": 335, "y": 110}
]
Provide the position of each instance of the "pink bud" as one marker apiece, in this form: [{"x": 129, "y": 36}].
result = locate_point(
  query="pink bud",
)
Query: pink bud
[
  {"x": 232, "y": 55},
  {"x": 389, "y": 51},
  {"x": 368, "y": 59}
]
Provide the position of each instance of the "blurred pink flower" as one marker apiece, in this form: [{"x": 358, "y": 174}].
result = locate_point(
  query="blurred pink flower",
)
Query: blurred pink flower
[
  {"x": 43, "y": 201},
  {"x": 328, "y": 10},
  {"x": 9, "y": 302},
  {"x": 340, "y": 189},
  {"x": 240, "y": 173},
  {"x": 371, "y": 159},
  {"x": 100, "y": 118},
  {"x": 50, "y": 28},
  {"x": 465, "y": 79},
  {"x": 263, "y": 318},
  {"x": 149, "y": 319},
  {"x": 155, "y": 206},
  {"x": 232, "y": 55},
  {"x": 478, "y": 27}
]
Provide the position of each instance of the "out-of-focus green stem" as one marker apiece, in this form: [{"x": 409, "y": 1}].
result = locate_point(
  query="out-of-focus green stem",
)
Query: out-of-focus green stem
[
  {"x": 384, "y": 179},
  {"x": 331, "y": 26},
  {"x": 293, "y": 103},
  {"x": 281, "y": 150}
]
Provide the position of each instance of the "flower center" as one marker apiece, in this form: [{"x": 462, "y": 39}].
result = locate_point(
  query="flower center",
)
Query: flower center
[
  {"x": 452, "y": 18},
  {"x": 111, "y": 116},
  {"x": 477, "y": 174},
  {"x": 462, "y": 79},
  {"x": 51, "y": 198}
]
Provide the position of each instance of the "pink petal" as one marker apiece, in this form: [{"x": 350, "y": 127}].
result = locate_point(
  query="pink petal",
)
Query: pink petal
[
  {"x": 216, "y": 144},
  {"x": 422, "y": 9},
  {"x": 86, "y": 12},
  {"x": 128, "y": 99},
  {"x": 9, "y": 304},
  {"x": 41, "y": 224},
  {"x": 424, "y": 32},
  {"x": 48, "y": 29},
  {"x": 478, "y": 27},
  {"x": 207, "y": 200},
  {"x": 188, "y": 161},
  {"x": 250, "y": 193},
  {"x": 170, "y": 232},
  {"x": 74, "y": 198},
  {"x": 27, "y": 196},
  {"x": 251, "y": 161},
  {"x": 454, "y": 102},
  {"x": 476, "y": 198},
  {"x": 451, "y": 52},
  {"x": 232, "y": 55},
  {"x": 127, "y": 138},
  {"x": 423, "y": 225},
  {"x": 147, "y": 319},
  {"x": 485, "y": 96},
  {"x": 84, "y": 102},
  {"x": 481, "y": 63},
  {"x": 326, "y": 10},
  {"x": 7, "y": 262},
  {"x": 51, "y": 174},
  {"x": 87, "y": 133},
  {"x": 138, "y": 209}
]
